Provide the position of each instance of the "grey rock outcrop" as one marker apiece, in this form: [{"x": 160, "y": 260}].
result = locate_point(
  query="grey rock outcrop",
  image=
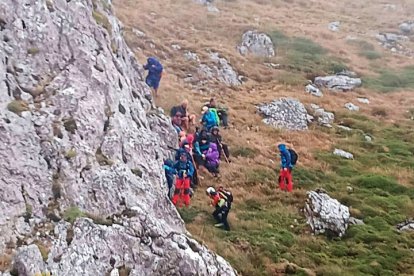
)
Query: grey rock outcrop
[
  {"x": 285, "y": 113},
  {"x": 324, "y": 118},
  {"x": 338, "y": 82},
  {"x": 215, "y": 69},
  {"x": 343, "y": 154},
  {"x": 396, "y": 43},
  {"x": 351, "y": 107},
  {"x": 220, "y": 70},
  {"x": 259, "y": 44},
  {"x": 77, "y": 129},
  {"x": 325, "y": 214},
  {"x": 313, "y": 90},
  {"x": 407, "y": 225}
]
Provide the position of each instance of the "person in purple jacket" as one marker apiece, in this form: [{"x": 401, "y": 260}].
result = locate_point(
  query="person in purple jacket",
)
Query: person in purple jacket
[{"x": 213, "y": 159}]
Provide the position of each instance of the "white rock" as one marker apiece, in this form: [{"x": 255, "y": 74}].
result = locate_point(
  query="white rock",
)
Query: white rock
[
  {"x": 345, "y": 128},
  {"x": 368, "y": 138},
  {"x": 313, "y": 90},
  {"x": 285, "y": 113},
  {"x": 338, "y": 82},
  {"x": 343, "y": 154},
  {"x": 351, "y": 107},
  {"x": 259, "y": 44},
  {"x": 334, "y": 26},
  {"x": 324, "y": 214},
  {"x": 363, "y": 100}
]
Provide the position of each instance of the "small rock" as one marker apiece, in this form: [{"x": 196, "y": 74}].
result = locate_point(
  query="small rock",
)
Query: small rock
[
  {"x": 349, "y": 189},
  {"x": 138, "y": 32},
  {"x": 191, "y": 56},
  {"x": 363, "y": 100},
  {"x": 355, "y": 221},
  {"x": 212, "y": 8},
  {"x": 345, "y": 128},
  {"x": 368, "y": 138},
  {"x": 407, "y": 225},
  {"x": 334, "y": 26},
  {"x": 313, "y": 90},
  {"x": 343, "y": 154},
  {"x": 351, "y": 107},
  {"x": 176, "y": 47},
  {"x": 407, "y": 27}
]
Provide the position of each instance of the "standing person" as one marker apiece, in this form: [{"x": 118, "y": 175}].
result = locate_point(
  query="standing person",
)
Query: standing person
[
  {"x": 155, "y": 69},
  {"x": 184, "y": 170},
  {"x": 217, "y": 139},
  {"x": 222, "y": 208},
  {"x": 286, "y": 166}
]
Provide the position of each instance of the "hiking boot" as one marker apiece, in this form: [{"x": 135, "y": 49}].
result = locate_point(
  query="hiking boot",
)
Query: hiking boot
[{"x": 219, "y": 224}]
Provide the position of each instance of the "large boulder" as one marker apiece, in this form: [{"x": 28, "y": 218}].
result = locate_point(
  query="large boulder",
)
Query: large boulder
[
  {"x": 343, "y": 154},
  {"x": 325, "y": 214},
  {"x": 81, "y": 137},
  {"x": 338, "y": 82},
  {"x": 285, "y": 113},
  {"x": 258, "y": 44},
  {"x": 28, "y": 261}
]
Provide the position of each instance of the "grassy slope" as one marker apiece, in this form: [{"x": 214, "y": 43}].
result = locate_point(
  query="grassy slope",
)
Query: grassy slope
[{"x": 268, "y": 228}]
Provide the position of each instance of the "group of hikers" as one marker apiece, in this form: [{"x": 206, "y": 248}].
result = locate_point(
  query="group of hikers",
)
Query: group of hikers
[{"x": 201, "y": 149}]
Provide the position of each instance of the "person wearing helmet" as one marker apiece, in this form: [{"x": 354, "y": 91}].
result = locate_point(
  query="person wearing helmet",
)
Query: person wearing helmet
[
  {"x": 217, "y": 139},
  {"x": 184, "y": 170},
  {"x": 221, "y": 206}
]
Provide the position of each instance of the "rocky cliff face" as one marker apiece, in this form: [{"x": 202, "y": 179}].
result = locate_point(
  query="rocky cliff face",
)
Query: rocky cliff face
[{"x": 79, "y": 138}]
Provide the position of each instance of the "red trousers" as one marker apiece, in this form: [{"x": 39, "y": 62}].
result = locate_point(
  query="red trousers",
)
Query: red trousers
[
  {"x": 286, "y": 176},
  {"x": 182, "y": 192}
]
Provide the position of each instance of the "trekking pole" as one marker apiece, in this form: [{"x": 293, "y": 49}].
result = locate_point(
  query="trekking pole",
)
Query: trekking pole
[
  {"x": 221, "y": 146},
  {"x": 196, "y": 171}
]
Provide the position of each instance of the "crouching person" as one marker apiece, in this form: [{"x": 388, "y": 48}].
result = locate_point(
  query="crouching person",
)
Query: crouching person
[
  {"x": 221, "y": 201},
  {"x": 213, "y": 160},
  {"x": 185, "y": 171}
]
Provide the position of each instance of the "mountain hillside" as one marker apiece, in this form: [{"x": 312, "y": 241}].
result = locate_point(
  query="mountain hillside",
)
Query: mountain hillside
[
  {"x": 81, "y": 189},
  {"x": 199, "y": 45}
]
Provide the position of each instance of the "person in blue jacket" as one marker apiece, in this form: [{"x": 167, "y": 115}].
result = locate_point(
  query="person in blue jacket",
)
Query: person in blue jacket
[
  {"x": 285, "y": 169},
  {"x": 155, "y": 69},
  {"x": 209, "y": 119},
  {"x": 184, "y": 170}
]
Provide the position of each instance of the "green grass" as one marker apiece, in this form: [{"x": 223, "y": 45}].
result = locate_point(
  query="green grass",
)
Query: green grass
[
  {"x": 371, "y": 55},
  {"x": 302, "y": 55},
  {"x": 244, "y": 152},
  {"x": 272, "y": 231},
  {"x": 72, "y": 213},
  {"x": 388, "y": 81}
]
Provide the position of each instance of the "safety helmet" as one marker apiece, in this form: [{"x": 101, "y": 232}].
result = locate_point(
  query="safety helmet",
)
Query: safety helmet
[{"x": 210, "y": 191}]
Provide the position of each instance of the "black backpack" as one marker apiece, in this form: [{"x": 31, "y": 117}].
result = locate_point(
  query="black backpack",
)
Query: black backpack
[
  {"x": 228, "y": 196},
  {"x": 293, "y": 157}
]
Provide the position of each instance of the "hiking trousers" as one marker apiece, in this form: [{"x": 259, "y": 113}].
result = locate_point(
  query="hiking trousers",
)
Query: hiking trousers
[
  {"x": 221, "y": 217},
  {"x": 182, "y": 192},
  {"x": 285, "y": 180}
]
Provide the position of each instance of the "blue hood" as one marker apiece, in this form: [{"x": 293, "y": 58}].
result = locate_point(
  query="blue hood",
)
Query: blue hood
[{"x": 282, "y": 147}]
